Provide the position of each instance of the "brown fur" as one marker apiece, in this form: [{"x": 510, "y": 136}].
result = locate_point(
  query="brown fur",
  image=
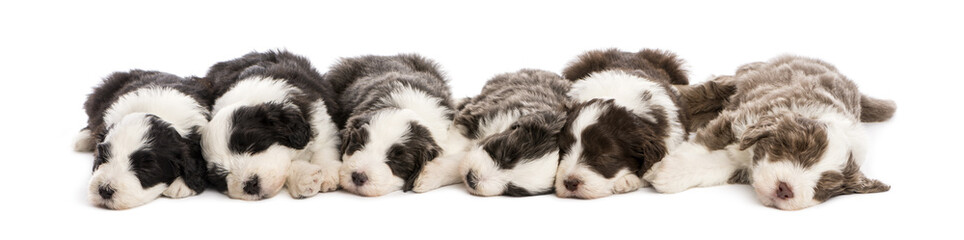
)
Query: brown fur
[{"x": 657, "y": 65}]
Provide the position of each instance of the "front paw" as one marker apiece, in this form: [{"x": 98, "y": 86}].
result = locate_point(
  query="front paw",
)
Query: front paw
[
  {"x": 329, "y": 179},
  {"x": 426, "y": 183},
  {"x": 178, "y": 189},
  {"x": 304, "y": 180},
  {"x": 665, "y": 177},
  {"x": 627, "y": 184}
]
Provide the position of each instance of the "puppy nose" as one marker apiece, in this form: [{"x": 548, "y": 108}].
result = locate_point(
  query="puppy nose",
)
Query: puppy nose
[
  {"x": 471, "y": 180},
  {"x": 252, "y": 186},
  {"x": 105, "y": 191},
  {"x": 571, "y": 184},
  {"x": 784, "y": 191},
  {"x": 359, "y": 178}
]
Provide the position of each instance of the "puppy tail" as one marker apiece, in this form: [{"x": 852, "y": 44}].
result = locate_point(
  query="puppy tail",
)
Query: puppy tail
[
  {"x": 84, "y": 141},
  {"x": 667, "y": 63},
  {"x": 649, "y": 62},
  {"x": 705, "y": 101},
  {"x": 876, "y": 110}
]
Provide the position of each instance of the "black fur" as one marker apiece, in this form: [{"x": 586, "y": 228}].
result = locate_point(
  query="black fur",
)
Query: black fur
[{"x": 255, "y": 128}]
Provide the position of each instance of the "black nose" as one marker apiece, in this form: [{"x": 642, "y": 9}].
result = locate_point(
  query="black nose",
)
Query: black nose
[
  {"x": 471, "y": 180},
  {"x": 359, "y": 178},
  {"x": 252, "y": 186},
  {"x": 784, "y": 191},
  {"x": 571, "y": 184},
  {"x": 105, "y": 191}
]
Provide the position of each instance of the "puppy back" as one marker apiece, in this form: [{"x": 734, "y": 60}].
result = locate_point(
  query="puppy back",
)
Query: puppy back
[{"x": 656, "y": 64}]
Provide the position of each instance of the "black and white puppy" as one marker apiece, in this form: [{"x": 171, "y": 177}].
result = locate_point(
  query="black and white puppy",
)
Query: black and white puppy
[
  {"x": 143, "y": 129},
  {"x": 397, "y": 118},
  {"x": 271, "y": 125},
  {"x": 628, "y": 117},
  {"x": 513, "y": 127}
]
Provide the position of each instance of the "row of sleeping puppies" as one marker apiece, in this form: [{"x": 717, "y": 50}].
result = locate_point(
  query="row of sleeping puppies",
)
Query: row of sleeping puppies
[{"x": 614, "y": 122}]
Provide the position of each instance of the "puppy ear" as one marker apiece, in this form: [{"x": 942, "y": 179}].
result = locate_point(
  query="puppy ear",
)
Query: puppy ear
[
  {"x": 650, "y": 152},
  {"x": 876, "y": 110},
  {"x": 863, "y": 184},
  {"x": 757, "y": 132},
  {"x": 589, "y": 62},
  {"x": 191, "y": 165},
  {"x": 667, "y": 63},
  {"x": 292, "y": 128}
]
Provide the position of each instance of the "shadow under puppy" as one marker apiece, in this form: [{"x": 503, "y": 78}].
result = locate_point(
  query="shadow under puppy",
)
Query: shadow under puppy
[
  {"x": 791, "y": 129},
  {"x": 271, "y": 127},
  {"x": 513, "y": 126},
  {"x": 143, "y": 129},
  {"x": 397, "y": 115},
  {"x": 628, "y": 116}
]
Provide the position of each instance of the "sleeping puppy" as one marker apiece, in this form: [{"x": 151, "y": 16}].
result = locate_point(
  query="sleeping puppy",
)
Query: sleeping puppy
[
  {"x": 791, "y": 129},
  {"x": 143, "y": 129},
  {"x": 397, "y": 120},
  {"x": 513, "y": 126},
  {"x": 627, "y": 118},
  {"x": 271, "y": 127}
]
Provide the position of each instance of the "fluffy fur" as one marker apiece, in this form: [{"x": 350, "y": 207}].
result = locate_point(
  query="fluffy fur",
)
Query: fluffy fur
[
  {"x": 791, "y": 129},
  {"x": 397, "y": 125},
  {"x": 627, "y": 118},
  {"x": 271, "y": 127},
  {"x": 143, "y": 129},
  {"x": 513, "y": 126}
]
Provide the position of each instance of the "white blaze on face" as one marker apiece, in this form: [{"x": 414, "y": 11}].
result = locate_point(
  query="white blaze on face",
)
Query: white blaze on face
[
  {"x": 271, "y": 165},
  {"x": 533, "y": 175},
  {"x": 591, "y": 183},
  {"x": 126, "y": 137},
  {"x": 842, "y": 140},
  {"x": 385, "y": 128}
]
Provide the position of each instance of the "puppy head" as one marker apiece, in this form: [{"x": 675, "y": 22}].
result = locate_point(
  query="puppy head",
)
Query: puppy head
[
  {"x": 135, "y": 161},
  {"x": 249, "y": 148},
  {"x": 601, "y": 145},
  {"x": 799, "y": 162},
  {"x": 384, "y": 151},
  {"x": 520, "y": 160}
]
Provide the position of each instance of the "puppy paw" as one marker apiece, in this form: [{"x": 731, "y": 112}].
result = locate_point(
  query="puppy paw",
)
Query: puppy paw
[
  {"x": 665, "y": 177},
  {"x": 329, "y": 179},
  {"x": 627, "y": 184},
  {"x": 178, "y": 189},
  {"x": 304, "y": 180},
  {"x": 425, "y": 184},
  {"x": 83, "y": 142}
]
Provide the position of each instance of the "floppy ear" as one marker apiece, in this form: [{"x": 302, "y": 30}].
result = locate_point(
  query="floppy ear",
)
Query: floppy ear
[
  {"x": 668, "y": 63},
  {"x": 431, "y": 153},
  {"x": 589, "y": 62},
  {"x": 291, "y": 128},
  {"x": 191, "y": 165},
  {"x": 863, "y": 184},
  {"x": 652, "y": 152},
  {"x": 757, "y": 132}
]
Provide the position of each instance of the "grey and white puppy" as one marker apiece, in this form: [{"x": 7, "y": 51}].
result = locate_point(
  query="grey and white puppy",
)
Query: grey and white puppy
[
  {"x": 791, "y": 129},
  {"x": 513, "y": 125},
  {"x": 396, "y": 122}
]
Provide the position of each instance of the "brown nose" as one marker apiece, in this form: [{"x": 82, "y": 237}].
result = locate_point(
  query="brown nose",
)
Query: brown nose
[
  {"x": 571, "y": 184},
  {"x": 784, "y": 191}
]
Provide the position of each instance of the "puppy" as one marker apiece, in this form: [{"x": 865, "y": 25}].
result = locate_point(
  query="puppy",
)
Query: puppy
[
  {"x": 397, "y": 119},
  {"x": 271, "y": 127},
  {"x": 628, "y": 116},
  {"x": 791, "y": 129},
  {"x": 143, "y": 129},
  {"x": 513, "y": 126}
]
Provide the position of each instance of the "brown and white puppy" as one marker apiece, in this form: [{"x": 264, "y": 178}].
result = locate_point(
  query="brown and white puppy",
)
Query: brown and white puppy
[
  {"x": 397, "y": 125},
  {"x": 513, "y": 125},
  {"x": 792, "y": 130},
  {"x": 627, "y": 117}
]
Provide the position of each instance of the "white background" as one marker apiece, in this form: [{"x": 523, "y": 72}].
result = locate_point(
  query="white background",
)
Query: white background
[{"x": 54, "y": 52}]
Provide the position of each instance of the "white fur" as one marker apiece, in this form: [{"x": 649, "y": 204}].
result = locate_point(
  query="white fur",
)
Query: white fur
[
  {"x": 594, "y": 185},
  {"x": 324, "y": 160},
  {"x": 534, "y": 175},
  {"x": 843, "y": 137},
  {"x": 182, "y": 111},
  {"x": 272, "y": 165},
  {"x": 694, "y": 165},
  {"x": 125, "y": 138},
  {"x": 385, "y": 129},
  {"x": 603, "y": 85}
]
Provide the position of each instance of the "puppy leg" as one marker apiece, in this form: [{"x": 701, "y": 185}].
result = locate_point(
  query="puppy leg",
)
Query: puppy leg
[
  {"x": 443, "y": 170},
  {"x": 178, "y": 189},
  {"x": 304, "y": 179},
  {"x": 628, "y": 183},
  {"x": 691, "y": 165},
  {"x": 329, "y": 161},
  {"x": 84, "y": 141}
]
